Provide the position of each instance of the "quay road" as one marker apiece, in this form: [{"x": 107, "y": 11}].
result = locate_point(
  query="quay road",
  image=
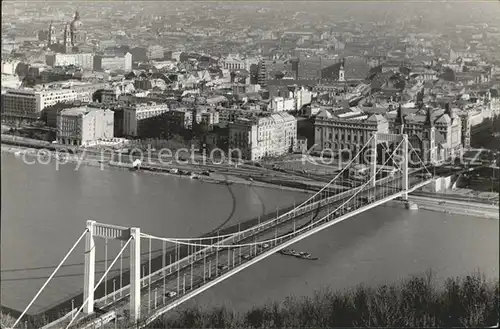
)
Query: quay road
[
  {"x": 456, "y": 197},
  {"x": 461, "y": 207},
  {"x": 97, "y": 157},
  {"x": 192, "y": 272},
  {"x": 163, "y": 162}
]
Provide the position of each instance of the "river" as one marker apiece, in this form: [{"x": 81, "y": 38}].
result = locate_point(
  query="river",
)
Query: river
[{"x": 44, "y": 212}]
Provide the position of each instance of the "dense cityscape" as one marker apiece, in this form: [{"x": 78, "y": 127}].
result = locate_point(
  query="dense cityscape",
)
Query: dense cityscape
[{"x": 283, "y": 102}]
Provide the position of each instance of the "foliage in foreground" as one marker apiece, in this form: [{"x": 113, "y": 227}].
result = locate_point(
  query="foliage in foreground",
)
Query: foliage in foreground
[
  {"x": 470, "y": 301},
  {"x": 418, "y": 302}
]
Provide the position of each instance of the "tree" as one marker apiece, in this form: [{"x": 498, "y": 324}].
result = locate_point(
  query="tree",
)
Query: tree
[{"x": 448, "y": 75}]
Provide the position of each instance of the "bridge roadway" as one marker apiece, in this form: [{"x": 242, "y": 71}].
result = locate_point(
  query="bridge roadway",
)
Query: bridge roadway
[{"x": 188, "y": 275}]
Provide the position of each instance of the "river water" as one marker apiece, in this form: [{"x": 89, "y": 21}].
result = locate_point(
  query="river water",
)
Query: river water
[{"x": 44, "y": 211}]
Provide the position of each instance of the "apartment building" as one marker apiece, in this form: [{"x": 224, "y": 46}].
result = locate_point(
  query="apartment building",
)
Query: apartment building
[
  {"x": 9, "y": 67},
  {"x": 84, "y": 126},
  {"x": 10, "y": 81},
  {"x": 260, "y": 137},
  {"x": 83, "y": 60},
  {"x": 280, "y": 104},
  {"x": 210, "y": 118},
  {"x": 228, "y": 115},
  {"x": 155, "y": 52},
  {"x": 181, "y": 118},
  {"x": 28, "y": 103},
  {"x": 135, "y": 117},
  {"x": 124, "y": 62}
]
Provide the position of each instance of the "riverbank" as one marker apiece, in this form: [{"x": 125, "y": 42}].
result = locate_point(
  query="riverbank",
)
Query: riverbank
[
  {"x": 454, "y": 207},
  {"x": 475, "y": 209},
  {"x": 214, "y": 178}
]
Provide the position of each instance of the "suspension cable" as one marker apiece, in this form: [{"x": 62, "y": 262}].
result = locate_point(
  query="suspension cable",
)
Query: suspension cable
[
  {"x": 286, "y": 213},
  {"x": 98, "y": 283},
  {"x": 182, "y": 242},
  {"x": 419, "y": 158},
  {"x": 50, "y": 277}
]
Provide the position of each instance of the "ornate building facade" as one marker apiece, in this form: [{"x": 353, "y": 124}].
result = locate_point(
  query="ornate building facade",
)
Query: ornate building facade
[
  {"x": 346, "y": 131},
  {"x": 435, "y": 134},
  {"x": 73, "y": 36}
]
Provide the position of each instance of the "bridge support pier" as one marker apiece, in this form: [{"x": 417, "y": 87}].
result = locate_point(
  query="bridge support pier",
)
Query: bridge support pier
[
  {"x": 89, "y": 271},
  {"x": 135, "y": 274}
]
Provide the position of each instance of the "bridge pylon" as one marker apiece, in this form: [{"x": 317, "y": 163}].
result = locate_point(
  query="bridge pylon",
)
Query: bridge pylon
[
  {"x": 373, "y": 161},
  {"x": 404, "y": 166},
  {"x": 105, "y": 231},
  {"x": 403, "y": 157},
  {"x": 135, "y": 274},
  {"x": 89, "y": 274}
]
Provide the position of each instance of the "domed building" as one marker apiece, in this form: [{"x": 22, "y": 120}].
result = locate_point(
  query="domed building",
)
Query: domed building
[{"x": 76, "y": 32}]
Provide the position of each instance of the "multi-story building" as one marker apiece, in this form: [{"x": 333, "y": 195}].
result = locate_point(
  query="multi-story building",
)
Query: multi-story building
[
  {"x": 262, "y": 73},
  {"x": 280, "y": 104},
  {"x": 235, "y": 62},
  {"x": 9, "y": 67},
  {"x": 27, "y": 104},
  {"x": 84, "y": 126},
  {"x": 109, "y": 95},
  {"x": 436, "y": 134},
  {"x": 447, "y": 125},
  {"x": 346, "y": 130},
  {"x": 155, "y": 52},
  {"x": 302, "y": 97},
  {"x": 181, "y": 118},
  {"x": 10, "y": 81},
  {"x": 135, "y": 117},
  {"x": 83, "y": 60},
  {"x": 259, "y": 137},
  {"x": 113, "y": 62},
  {"x": 210, "y": 118},
  {"x": 228, "y": 115}
]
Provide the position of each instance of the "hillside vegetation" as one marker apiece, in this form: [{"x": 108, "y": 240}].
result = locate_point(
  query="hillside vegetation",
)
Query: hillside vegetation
[{"x": 470, "y": 301}]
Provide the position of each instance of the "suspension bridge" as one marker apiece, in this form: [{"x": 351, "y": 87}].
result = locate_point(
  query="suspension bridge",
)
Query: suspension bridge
[{"x": 190, "y": 266}]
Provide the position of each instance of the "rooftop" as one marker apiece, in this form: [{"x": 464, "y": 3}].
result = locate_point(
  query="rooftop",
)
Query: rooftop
[{"x": 77, "y": 111}]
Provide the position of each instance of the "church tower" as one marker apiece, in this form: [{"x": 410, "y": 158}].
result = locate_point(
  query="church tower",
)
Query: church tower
[
  {"x": 67, "y": 39},
  {"x": 342, "y": 71},
  {"x": 52, "y": 35}
]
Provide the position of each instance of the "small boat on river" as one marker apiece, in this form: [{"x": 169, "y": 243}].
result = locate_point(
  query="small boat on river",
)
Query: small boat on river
[{"x": 301, "y": 255}]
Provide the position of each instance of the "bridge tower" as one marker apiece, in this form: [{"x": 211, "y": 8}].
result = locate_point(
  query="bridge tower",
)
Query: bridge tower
[
  {"x": 135, "y": 274},
  {"x": 404, "y": 165},
  {"x": 402, "y": 157},
  {"x": 373, "y": 162},
  {"x": 117, "y": 233},
  {"x": 89, "y": 274}
]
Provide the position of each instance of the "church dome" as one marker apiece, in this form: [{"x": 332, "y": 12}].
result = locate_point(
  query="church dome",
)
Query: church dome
[{"x": 76, "y": 24}]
